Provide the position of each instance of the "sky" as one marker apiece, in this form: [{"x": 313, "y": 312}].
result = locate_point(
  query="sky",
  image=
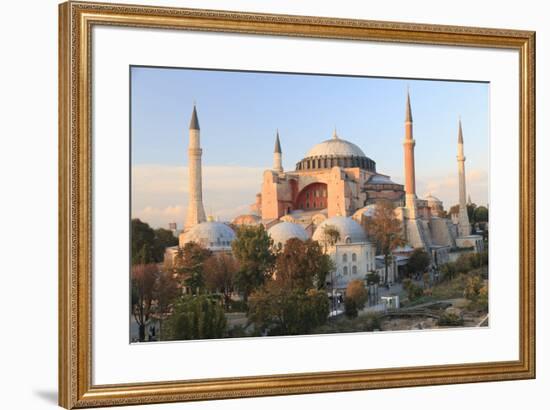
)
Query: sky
[{"x": 240, "y": 112}]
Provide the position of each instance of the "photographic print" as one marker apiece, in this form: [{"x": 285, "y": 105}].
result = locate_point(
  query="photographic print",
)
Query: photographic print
[{"x": 278, "y": 204}]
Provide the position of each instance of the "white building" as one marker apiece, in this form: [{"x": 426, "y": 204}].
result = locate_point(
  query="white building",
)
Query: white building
[{"x": 353, "y": 254}]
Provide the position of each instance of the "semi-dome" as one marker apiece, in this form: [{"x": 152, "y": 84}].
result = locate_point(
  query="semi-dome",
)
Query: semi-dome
[
  {"x": 249, "y": 219},
  {"x": 336, "y": 152},
  {"x": 212, "y": 235},
  {"x": 284, "y": 231},
  {"x": 349, "y": 230}
]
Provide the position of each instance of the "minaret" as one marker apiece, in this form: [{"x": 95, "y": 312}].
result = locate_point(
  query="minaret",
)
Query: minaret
[
  {"x": 464, "y": 228},
  {"x": 195, "y": 209},
  {"x": 277, "y": 155},
  {"x": 408, "y": 148}
]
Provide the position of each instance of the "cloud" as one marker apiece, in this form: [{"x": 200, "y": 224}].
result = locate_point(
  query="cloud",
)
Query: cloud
[
  {"x": 445, "y": 187},
  {"x": 160, "y": 193}
]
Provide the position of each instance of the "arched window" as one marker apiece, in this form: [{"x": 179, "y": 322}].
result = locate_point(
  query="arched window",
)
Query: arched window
[
  {"x": 348, "y": 239},
  {"x": 353, "y": 257},
  {"x": 345, "y": 270},
  {"x": 354, "y": 270},
  {"x": 345, "y": 257}
]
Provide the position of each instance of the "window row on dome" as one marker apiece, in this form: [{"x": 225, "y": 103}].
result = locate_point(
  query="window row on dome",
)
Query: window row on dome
[{"x": 329, "y": 162}]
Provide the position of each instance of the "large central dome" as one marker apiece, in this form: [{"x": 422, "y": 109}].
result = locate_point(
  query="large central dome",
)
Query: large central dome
[
  {"x": 336, "y": 152},
  {"x": 336, "y": 147}
]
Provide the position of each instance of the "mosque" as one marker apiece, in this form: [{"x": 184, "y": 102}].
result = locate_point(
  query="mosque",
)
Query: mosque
[{"x": 336, "y": 185}]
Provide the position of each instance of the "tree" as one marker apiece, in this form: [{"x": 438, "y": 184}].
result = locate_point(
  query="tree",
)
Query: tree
[
  {"x": 143, "y": 280},
  {"x": 275, "y": 309},
  {"x": 165, "y": 238},
  {"x": 418, "y": 262},
  {"x": 196, "y": 317},
  {"x": 481, "y": 214},
  {"x": 252, "y": 248},
  {"x": 302, "y": 264},
  {"x": 189, "y": 264},
  {"x": 219, "y": 275},
  {"x": 148, "y": 245},
  {"x": 330, "y": 236},
  {"x": 166, "y": 290},
  {"x": 385, "y": 229},
  {"x": 356, "y": 292}
]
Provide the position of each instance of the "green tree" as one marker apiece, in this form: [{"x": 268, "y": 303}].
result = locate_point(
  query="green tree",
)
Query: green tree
[
  {"x": 148, "y": 245},
  {"x": 165, "y": 238},
  {"x": 481, "y": 214},
  {"x": 418, "y": 262},
  {"x": 196, "y": 317},
  {"x": 302, "y": 264},
  {"x": 189, "y": 264},
  {"x": 385, "y": 228},
  {"x": 275, "y": 309},
  {"x": 252, "y": 248},
  {"x": 143, "y": 280}
]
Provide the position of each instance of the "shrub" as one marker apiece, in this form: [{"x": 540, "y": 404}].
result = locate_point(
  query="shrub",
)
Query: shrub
[
  {"x": 450, "y": 319},
  {"x": 350, "y": 308},
  {"x": 356, "y": 291}
]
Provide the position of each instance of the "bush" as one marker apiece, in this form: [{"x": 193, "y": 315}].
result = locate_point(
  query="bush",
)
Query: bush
[
  {"x": 350, "y": 308},
  {"x": 413, "y": 291},
  {"x": 195, "y": 317},
  {"x": 450, "y": 319},
  {"x": 356, "y": 291}
]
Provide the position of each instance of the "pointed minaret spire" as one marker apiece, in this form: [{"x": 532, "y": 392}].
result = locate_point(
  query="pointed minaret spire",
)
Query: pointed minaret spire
[
  {"x": 408, "y": 111},
  {"x": 464, "y": 228},
  {"x": 408, "y": 149},
  {"x": 335, "y": 133},
  {"x": 195, "y": 208},
  {"x": 194, "y": 123},
  {"x": 277, "y": 155},
  {"x": 277, "y": 143}
]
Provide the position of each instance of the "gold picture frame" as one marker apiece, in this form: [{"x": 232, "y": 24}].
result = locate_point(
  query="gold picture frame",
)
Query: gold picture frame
[{"x": 76, "y": 20}]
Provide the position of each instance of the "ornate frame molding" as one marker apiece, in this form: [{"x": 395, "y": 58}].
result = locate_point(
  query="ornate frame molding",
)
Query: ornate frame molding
[{"x": 75, "y": 358}]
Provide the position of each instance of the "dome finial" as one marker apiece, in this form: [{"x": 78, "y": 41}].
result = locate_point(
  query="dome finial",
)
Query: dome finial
[{"x": 335, "y": 133}]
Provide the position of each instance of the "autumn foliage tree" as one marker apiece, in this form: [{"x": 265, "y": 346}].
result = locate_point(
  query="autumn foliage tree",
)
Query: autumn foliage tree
[
  {"x": 166, "y": 290},
  {"x": 302, "y": 264},
  {"x": 143, "y": 280},
  {"x": 219, "y": 274},
  {"x": 189, "y": 264},
  {"x": 385, "y": 228}
]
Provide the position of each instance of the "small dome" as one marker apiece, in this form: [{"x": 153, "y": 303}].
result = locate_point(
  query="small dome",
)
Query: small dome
[
  {"x": 431, "y": 198},
  {"x": 367, "y": 211},
  {"x": 284, "y": 231},
  {"x": 210, "y": 235},
  {"x": 349, "y": 230},
  {"x": 335, "y": 147},
  {"x": 249, "y": 219}
]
